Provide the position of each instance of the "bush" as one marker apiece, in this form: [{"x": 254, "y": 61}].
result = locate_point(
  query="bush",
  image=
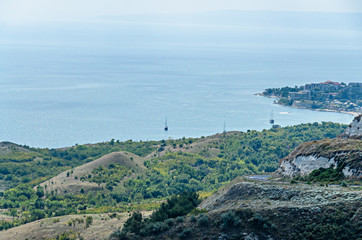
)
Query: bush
[
  {"x": 259, "y": 222},
  {"x": 203, "y": 220},
  {"x": 193, "y": 219},
  {"x": 170, "y": 222},
  {"x": 134, "y": 223},
  {"x": 153, "y": 228},
  {"x": 176, "y": 206},
  {"x": 344, "y": 184},
  {"x": 185, "y": 234},
  {"x": 229, "y": 219},
  {"x": 326, "y": 174},
  {"x": 88, "y": 221},
  {"x": 180, "y": 219},
  {"x": 118, "y": 235}
]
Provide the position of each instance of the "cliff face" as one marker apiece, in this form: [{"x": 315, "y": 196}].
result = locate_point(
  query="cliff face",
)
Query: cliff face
[
  {"x": 344, "y": 151},
  {"x": 354, "y": 130}
]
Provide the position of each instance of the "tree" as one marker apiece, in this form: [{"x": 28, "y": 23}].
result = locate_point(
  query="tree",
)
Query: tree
[
  {"x": 39, "y": 192},
  {"x": 134, "y": 223},
  {"x": 88, "y": 221},
  {"x": 176, "y": 206},
  {"x": 37, "y": 214},
  {"x": 13, "y": 213},
  {"x": 39, "y": 203}
]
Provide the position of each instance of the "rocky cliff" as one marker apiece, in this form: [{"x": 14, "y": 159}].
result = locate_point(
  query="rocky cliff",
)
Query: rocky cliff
[
  {"x": 344, "y": 152},
  {"x": 354, "y": 130}
]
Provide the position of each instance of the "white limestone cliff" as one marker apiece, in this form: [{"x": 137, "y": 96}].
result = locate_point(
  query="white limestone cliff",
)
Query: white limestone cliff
[{"x": 344, "y": 151}]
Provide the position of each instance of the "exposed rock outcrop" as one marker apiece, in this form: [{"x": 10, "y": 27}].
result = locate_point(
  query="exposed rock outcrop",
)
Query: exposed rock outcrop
[
  {"x": 354, "y": 130},
  {"x": 344, "y": 152}
]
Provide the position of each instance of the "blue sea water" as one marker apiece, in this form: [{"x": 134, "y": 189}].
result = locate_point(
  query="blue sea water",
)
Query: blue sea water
[{"x": 61, "y": 87}]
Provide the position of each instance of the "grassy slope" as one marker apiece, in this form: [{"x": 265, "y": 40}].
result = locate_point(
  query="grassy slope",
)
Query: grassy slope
[
  {"x": 73, "y": 183},
  {"x": 103, "y": 225}
]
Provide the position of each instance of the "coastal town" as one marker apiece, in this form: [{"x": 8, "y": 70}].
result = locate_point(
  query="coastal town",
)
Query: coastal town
[{"x": 325, "y": 96}]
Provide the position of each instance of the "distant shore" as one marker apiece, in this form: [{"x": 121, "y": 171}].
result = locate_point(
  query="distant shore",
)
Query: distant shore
[{"x": 320, "y": 110}]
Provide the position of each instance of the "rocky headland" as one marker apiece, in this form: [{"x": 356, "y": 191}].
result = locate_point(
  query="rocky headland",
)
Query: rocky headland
[{"x": 343, "y": 153}]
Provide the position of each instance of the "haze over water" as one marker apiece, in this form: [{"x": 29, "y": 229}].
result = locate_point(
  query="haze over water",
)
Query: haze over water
[{"x": 121, "y": 77}]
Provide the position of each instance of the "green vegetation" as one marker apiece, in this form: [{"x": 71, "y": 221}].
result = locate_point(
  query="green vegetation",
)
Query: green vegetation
[
  {"x": 335, "y": 224},
  {"x": 66, "y": 236},
  {"x": 324, "y": 175},
  {"x": 281, "y": 92},
  {"x": 161, "y": 219},
  {"x": 176, "y": 206},
  {"x": 329, "y": 222},
  {"x": 111, "y": 175},
  {"x": 88, "y": 221},
  {"x": 170, "y": 171},
  {"x": 37, "y": 165}
]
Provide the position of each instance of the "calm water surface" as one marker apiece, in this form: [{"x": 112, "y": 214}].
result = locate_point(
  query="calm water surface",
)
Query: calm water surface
[{"x": 57, "y": 93}]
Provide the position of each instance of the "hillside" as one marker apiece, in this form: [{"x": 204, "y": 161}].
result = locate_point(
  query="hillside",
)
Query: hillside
[
  {"x": 8, "y": 147},
  {"x": 101, "y": 227},
  {"x": 72, "y": 181},
  {"x": 126, "y": 176},
  {"x": 266, "y": 210}
]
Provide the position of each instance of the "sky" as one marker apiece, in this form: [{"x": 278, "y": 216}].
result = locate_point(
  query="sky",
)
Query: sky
[{"x": 38, "y": 11}]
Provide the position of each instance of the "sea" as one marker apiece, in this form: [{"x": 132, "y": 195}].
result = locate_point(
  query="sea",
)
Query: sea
[{"x": 90, "y": 82}]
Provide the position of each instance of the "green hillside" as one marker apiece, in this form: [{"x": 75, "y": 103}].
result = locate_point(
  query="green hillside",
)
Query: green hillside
[{"x": 170, "y": 167}]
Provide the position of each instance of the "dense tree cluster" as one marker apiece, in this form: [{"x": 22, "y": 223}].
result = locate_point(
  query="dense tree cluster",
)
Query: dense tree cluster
[{"x": 161, "y": 219}]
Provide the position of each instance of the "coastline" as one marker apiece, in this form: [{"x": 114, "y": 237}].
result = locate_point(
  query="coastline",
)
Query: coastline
[{"x": 320, "y": 110}]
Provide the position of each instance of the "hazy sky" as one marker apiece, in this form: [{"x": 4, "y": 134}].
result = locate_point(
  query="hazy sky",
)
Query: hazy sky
[{"x": 28, "y": 11}]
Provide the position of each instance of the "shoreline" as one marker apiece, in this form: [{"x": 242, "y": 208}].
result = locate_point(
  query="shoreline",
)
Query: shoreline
[{"x": 319, "y": 109}]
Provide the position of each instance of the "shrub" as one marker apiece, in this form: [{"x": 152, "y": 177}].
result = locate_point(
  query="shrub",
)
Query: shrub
[
  {"x": 153, "y": 228},
  {"x": 180, "y": 219},
  {"x": 193, "y": 219},
  {"x": 118, "y": 235},
  {"x": 134, "y": 223},
  {"x": 176, "y": 206},
  {"x": 170, "y": 222},
  {"x": 326, "y": 174},
  {"x": 229, "y": 219},
  {"x": 203, "y": 220},
  {"x": 185, "y": 234},
  {"x": 344, "y": 184},
  {"x": 56, "y": 220},
  {"x": 88, "y": 221},
  {"x": 259, "y": 222}
]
